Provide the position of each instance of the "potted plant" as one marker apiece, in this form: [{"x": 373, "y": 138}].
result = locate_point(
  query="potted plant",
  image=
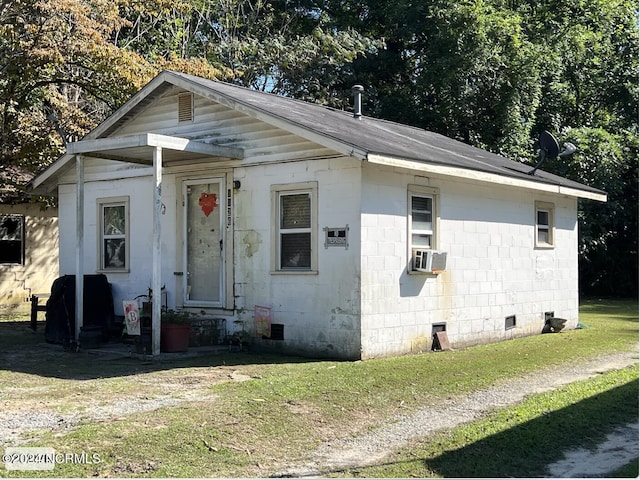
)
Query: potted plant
[{"x": 175, "y": 329}]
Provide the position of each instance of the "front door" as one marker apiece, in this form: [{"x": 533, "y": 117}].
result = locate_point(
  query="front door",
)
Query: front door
[{"x": 203, "y": 201}]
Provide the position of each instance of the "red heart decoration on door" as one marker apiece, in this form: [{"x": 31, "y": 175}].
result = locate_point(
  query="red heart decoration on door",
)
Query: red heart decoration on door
[{"x": 208, "y": 201}]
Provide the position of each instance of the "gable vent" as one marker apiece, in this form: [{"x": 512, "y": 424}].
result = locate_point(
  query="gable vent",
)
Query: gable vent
[{"x": 185, "y": 107}]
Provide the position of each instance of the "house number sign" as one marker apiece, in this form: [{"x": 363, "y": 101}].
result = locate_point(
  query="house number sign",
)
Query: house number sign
[
  {"x": 228, "y": 207},
  {"x": 336, "y": 237}
]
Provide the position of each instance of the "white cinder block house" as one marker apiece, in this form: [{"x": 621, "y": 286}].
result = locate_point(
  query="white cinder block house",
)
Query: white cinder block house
[{"x": 232, "y": 199}]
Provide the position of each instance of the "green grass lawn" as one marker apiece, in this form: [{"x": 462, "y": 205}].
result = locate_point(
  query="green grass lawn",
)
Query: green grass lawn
[
  {"x": 520, "y": 441},
  {"x": 289, "y": 405}
]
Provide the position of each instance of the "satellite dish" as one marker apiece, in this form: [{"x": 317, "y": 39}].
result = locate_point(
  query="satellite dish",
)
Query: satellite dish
[
  {"x": 548, "y": 144},
  {"x": 548, "y": 149}
]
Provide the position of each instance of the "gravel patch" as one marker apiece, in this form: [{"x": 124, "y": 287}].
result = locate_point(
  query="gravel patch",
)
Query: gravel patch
[
  {"x": 15, "y": 425},
  {"x": 373, "y": 447},
  {"x": 620, "y": 448}
]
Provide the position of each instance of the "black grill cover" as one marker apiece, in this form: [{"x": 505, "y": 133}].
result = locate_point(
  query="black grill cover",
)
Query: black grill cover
[{"x": 61, "y": 308}]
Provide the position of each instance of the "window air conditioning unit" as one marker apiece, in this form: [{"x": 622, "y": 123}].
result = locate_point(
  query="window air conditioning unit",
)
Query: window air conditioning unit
[{"x": 429, "y": 261}]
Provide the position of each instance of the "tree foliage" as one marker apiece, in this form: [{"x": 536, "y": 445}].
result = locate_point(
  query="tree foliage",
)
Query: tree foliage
[
  {"x": 278, "y": 46},
  {"x": 492, "y": 73},
  {"x": 59, "y": 57},
  {"x": 495, "y": 73}
]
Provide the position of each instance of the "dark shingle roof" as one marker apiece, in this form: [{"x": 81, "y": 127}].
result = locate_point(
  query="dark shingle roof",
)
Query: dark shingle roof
[
  {"x": 375, "y": 136},
  {"x": 363, "y": 138}
]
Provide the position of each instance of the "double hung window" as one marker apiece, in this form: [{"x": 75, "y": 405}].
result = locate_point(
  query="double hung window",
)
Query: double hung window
[
  {"x": 114, "y": 233},
  {"x": 423, "y": 218},
  {"x": 294, "y": 207},
  {"x": 544, "y": 225}
]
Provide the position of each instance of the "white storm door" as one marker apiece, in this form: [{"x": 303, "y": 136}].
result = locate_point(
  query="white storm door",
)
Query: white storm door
[{"x": 204, "y": 204}]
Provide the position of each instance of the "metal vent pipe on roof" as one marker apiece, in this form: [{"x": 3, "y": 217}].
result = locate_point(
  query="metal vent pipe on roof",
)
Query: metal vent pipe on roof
[{"x": 357, "y": 100}]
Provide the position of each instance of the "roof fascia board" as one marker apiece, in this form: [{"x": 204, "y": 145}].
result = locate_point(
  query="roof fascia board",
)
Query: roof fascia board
[
  {"x": 132, "y": 103},
  {"x": 267, "y": 117},
  {"x": 574, "y": 192},
  {"x": 54, "y": 169},
  {"x": 483, "y": 177}
]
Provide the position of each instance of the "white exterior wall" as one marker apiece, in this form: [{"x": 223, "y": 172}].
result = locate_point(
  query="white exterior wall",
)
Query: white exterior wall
[
  {"x": 320, "y": 312},
  {"x": 362, "y": 302},
  {"x": 493, "y": 268},
  {"x": 126, "y": 285}
]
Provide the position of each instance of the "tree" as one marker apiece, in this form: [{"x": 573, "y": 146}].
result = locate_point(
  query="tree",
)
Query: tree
[
  {"x": 590, "y": 97},
  {"x": 59, "y": 57},
  {"x": 495, "y": 73},
  {"x": 274, "y": 46}
]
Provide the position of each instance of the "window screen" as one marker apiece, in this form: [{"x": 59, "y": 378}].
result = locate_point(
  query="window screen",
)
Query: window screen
[
  {"x": 12, "y": 239},
  {"x": 296, "y": 211},
  {"x": 543, "y": 226},
  {"x": 421, "y": 221}
]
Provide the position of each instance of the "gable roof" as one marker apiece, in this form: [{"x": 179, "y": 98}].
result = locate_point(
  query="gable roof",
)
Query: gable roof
[{"x": 366, "y": 138}]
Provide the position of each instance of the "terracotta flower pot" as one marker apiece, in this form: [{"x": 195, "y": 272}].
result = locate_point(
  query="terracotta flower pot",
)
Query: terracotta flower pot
[{"x": 174, "y": 337}]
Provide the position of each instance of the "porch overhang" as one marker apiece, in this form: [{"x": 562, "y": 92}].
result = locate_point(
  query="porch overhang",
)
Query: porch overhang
[
  {"x": 145, "y": 148},
  {"x": 139, "y": 148}
]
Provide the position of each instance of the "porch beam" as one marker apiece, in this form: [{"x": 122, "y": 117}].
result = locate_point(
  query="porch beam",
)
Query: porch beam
[
  {"x": 79, "y": 318},
  {"x": 156, "y": 277},
  {"x": 154, "y": 140},
  {"x": 118, "y": 158}
]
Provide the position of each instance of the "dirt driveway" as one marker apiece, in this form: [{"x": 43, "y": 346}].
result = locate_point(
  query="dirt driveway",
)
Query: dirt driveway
[{"x": 374, "y": 447}]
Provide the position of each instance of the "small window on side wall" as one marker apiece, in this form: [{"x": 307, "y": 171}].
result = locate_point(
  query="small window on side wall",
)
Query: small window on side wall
[
  {"x": 422, "y": 220},
  {"x": 295, "y": 230},
  {"x": 544, "y": 225},
  {"x": 12, "y": 239},
  {"x": 114, "y": 233},
  {"x": 423, "y": 217}
]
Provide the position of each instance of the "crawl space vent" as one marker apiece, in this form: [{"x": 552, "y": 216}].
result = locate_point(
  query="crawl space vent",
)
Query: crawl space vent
[
  {"x": 277, "y": 331},
  {"x": 185, "y": 107},
  {"x": 510, "y": 322}
]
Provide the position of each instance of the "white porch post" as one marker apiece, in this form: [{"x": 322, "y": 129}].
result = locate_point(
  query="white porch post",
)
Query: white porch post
[
  {"x": 156, "y": 279},
  {"x": 79, "y": 246}
]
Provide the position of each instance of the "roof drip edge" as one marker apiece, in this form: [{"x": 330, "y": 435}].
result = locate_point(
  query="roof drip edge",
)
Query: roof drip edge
[{"x": 484, "y": 177}]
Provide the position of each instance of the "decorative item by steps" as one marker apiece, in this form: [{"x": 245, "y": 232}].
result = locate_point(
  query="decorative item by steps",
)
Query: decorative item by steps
[{"x": 175, "y": 329}]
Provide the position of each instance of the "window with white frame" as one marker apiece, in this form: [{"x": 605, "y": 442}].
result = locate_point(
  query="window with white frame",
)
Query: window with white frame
[
  {"x": 12, "y": 239},
  {"x": 295, "y": 232},
  {"x": 114, "y": 233},
  {"x": 544, "y": 225},
  {"x": 422, "y": 217}
]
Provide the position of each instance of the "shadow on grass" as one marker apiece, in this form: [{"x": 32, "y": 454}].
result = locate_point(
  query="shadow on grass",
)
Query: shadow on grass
[
  {"x": 523, "y": 451},
  {"x": 25, "y": 351},
  {"x": 527, "y": 449},
  {"x": 620, "y": 309}
]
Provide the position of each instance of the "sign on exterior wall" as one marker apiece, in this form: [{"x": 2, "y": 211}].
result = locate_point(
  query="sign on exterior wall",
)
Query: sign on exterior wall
[
  {"x": 336, "y": 237},
  {"x": 263, "y": 321}
]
